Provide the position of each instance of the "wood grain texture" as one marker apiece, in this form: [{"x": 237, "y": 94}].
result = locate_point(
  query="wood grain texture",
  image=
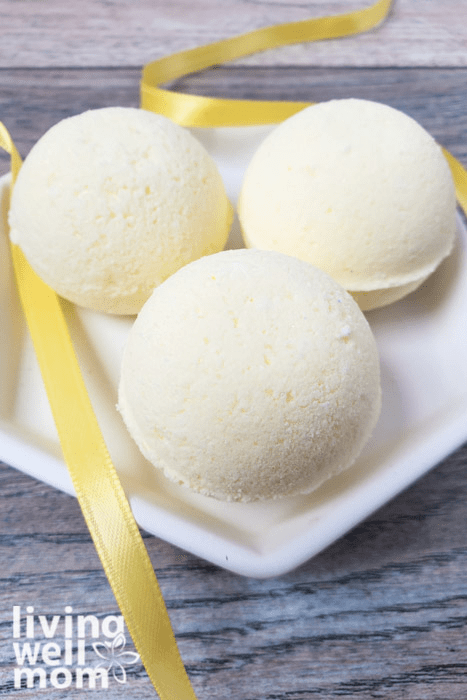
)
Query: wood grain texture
[
  {"x": 103, "y": 33},
  {"x": 31, "y": 101},
  {"x": 382, "y": 613}
]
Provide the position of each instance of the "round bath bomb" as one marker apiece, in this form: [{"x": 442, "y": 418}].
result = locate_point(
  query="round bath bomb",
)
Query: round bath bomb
[
  {"x": 250, "y": 375},
  {"x": 111, "y": 202},
  {"x": 358, "y": 189}
]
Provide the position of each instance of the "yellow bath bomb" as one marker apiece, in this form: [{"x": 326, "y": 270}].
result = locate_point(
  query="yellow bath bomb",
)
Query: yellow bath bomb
[
  {"x": 358, "y": 189},
  {"x": 111, "y": 202},
  {"x": 250, "y": 375}
]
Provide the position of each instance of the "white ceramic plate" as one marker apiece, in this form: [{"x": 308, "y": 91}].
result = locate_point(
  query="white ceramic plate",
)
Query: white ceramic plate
[{"x": 422, "y": 341}]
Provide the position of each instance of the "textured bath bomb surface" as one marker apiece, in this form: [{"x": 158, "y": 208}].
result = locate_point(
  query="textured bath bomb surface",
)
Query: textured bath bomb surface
[
  {"x": 358, "y": 189},
  {"x": 250, "y": 375},
  {"x": 111, "y": 202}
]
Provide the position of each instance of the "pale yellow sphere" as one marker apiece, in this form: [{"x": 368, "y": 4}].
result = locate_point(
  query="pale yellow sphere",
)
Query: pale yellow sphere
[
  {"x": 358, "y": 189},
  {"x": 250, "y": 375},
  {"x": 111, "y": 202}
]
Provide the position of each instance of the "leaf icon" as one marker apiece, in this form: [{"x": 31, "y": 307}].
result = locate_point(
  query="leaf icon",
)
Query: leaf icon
[{"x": 115, "y": 657}]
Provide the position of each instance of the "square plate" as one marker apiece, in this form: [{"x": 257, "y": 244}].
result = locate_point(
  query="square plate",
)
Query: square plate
[{"x": 422, "y": 342}]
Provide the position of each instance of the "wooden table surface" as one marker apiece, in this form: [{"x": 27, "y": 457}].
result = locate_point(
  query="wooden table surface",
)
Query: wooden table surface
[{"x": 382, "y": 613}]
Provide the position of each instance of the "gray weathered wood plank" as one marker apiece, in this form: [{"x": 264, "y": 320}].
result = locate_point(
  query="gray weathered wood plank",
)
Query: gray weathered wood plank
[
  {"x": 31, "y": 101},
  {"x": 382, "y": 613},
  {"x": 114, "y": 33}
]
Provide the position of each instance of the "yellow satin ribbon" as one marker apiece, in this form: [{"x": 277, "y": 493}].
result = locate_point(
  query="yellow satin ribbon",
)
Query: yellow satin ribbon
[
  {"x": 100, "y": 494},
  {"x": 103, "y": 502},
  {"x": 459, "y": 175},
  {"x": 194, "y": 110}
]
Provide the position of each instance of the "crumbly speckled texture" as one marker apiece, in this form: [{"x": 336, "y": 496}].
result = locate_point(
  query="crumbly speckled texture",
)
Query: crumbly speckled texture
[
  {"x": 250, "y": 375},
  {"x": 111, "y": 202},
  {"x": 358, "y": 189}
]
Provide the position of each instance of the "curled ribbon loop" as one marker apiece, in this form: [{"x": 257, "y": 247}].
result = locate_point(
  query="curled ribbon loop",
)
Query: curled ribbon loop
[
  {"x": 194, "y": 110},
  {"x": 199, "y": 111},
  {"x": 100, "y": 494}
]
